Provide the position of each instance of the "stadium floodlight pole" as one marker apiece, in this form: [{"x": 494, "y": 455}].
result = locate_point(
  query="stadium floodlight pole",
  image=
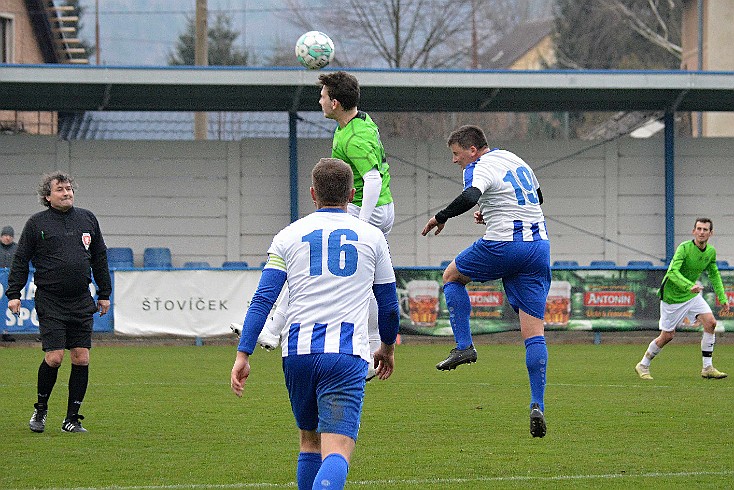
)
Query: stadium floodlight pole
[{"x": 201, "y": 58}]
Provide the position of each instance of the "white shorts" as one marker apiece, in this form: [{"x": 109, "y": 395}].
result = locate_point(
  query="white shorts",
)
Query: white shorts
[
  {"x": 382, "y": 217},
  {"x": 672, "y": 315}
]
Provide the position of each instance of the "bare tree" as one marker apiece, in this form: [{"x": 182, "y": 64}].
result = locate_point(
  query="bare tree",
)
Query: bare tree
[
  {"x": 651, "y": 25},
  {"x": 406, "y": 33},
  {"x": 419, "y": 34},
  {"x": 616, "y": 34},
  {"x": 613, "y": 34}
]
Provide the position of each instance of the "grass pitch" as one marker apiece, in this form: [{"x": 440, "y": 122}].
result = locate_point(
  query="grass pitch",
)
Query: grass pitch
[{"x": 164, "y": 417}]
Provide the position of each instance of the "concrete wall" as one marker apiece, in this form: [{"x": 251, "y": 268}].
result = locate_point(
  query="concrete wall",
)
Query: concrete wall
[{"x": 217, "y": 201}]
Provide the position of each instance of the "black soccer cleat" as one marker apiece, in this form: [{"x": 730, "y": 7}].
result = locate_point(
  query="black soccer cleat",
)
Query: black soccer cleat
[
  {"x": 38, "y": 419},
  {"x": 537, "y": 421},
  {"x": 457, "y": 357},
  {"x": 73, "y": 424}
]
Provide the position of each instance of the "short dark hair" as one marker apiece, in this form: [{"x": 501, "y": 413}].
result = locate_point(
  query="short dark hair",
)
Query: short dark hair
[
  {"x": 343, "y": 87},
  {"x": 704, "y": 220},
  {"x": 468, "y": 136},
  {"x": 44, "y": 186},
  {"x": 332, "y": 180}
]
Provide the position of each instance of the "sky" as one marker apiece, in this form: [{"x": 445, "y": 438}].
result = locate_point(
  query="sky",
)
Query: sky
[{"x": 143, "y": 32}]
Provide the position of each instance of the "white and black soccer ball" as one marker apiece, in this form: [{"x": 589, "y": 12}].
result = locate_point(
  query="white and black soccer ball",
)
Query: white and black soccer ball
[{"x": 314, "y": 50}]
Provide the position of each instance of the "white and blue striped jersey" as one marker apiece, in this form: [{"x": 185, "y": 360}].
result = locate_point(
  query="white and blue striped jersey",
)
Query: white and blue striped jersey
[
  {"x": 509, "y": 203},
  {"x": 331, "y": 260}
]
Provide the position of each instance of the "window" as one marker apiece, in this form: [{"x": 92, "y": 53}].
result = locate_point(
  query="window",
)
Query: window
[{"x": 6, "y": 39}]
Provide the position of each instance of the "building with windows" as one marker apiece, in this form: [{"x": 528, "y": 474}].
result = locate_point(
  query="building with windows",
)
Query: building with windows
[{"x": 37, "y": 32}]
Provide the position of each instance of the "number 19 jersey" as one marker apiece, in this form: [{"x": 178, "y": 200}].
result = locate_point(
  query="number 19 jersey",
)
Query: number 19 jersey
[
  {"x": 331, "y": 260},
  {"x": 509, "y": 202}
]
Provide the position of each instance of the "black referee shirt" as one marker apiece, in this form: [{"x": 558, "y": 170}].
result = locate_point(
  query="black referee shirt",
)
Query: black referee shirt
[{"x": 64, "y": 247}]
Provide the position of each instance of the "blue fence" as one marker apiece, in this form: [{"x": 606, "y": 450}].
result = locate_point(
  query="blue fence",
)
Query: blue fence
[{"x": 27, "y": 321}]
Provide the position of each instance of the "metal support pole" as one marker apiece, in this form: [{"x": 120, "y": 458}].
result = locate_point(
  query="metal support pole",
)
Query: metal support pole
[
  {"x": 669, "y": 186},
  {"x": 293, "y": 157}
]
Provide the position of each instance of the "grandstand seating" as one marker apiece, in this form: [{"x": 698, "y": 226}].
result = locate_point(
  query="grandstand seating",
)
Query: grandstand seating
[
  {"x": 603, "y": 263},
  {"x": 157, "y": 257},
  {"x": 640, "y": 264},
  {"x": 120, "y": 257},
  {"x": 196, "y": 265},
  {"x": 234, "y": 264},
  {"x": 722, "y": 264},
  {"x": 565, "y": 263}
]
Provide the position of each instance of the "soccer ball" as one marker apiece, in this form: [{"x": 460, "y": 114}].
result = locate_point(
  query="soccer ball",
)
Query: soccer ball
[{"x": 314, "y": 50}]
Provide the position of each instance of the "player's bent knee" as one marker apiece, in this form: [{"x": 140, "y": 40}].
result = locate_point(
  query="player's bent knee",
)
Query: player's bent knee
[
  {"x": 666, "y": 336},
  {"x": 452, "y": 274}
]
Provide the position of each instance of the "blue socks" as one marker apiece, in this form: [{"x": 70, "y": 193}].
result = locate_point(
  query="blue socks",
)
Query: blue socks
[
  {"x": 333, "y": 473},
  {"x": 457, "y": 300},
  {"x": 308, "y": 466},
  {"x": 536, "y": 359}
]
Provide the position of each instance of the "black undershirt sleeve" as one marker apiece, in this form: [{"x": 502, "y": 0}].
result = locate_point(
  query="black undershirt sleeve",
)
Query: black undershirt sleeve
[{"x": 463, "y": 203}]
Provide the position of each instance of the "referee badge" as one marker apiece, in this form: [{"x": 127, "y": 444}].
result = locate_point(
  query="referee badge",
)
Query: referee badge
[{"x": 86, "y": 240}]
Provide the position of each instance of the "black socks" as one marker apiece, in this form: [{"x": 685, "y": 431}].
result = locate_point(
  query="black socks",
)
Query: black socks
[
  {"x": 78, "y": 381},
  {"x": 46, "y": 381}
]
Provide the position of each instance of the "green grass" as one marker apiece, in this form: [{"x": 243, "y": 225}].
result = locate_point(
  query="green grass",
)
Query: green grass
[{"x": 165, "y": 417}]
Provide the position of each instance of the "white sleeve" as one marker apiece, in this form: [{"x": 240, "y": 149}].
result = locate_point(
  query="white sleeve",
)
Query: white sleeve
[
  {"x": 370, "y": 193},
  {"x": 384, "y": 271},
  {"x": 275, "y": 324}
]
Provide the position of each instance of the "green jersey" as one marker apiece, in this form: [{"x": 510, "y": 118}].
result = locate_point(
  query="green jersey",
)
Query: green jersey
[
  {"x": 358, "y": 144},
  {"x": 688, "y": 263}
]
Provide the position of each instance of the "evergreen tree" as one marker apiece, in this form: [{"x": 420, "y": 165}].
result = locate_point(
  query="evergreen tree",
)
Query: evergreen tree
[{"x": 221, "y": 45}]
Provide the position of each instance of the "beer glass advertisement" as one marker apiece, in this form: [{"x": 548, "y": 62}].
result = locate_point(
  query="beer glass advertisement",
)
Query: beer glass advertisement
[{"x": 579, "y": 299}]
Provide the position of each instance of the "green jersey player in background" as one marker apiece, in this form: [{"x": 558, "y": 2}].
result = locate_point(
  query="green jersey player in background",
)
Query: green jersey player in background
[
  {"x": 680, "y": 298},
  {"x": 356, "y": 142}
]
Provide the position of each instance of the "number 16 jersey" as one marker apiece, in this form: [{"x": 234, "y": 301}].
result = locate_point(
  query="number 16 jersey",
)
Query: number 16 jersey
[{"x": 331, "y": 260}]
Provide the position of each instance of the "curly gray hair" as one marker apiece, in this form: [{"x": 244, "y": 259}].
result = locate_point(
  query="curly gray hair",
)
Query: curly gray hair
[{"x": 44, "y": 186}]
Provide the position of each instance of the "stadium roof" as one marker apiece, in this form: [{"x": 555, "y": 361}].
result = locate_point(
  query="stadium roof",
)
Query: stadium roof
[
  {"x": 172, "y": 125},
  {"x": 85, "y": 88}
]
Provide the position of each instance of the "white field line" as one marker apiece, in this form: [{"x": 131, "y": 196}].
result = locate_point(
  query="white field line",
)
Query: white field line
[{"x": 428, "y": 481}]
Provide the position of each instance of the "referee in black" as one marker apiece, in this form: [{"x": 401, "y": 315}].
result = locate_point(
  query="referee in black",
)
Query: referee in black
[{"x": 64, "y": 243}]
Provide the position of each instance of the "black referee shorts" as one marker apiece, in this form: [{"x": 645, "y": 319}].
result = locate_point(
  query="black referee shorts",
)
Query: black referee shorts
[{"x": 65, "y": 323}]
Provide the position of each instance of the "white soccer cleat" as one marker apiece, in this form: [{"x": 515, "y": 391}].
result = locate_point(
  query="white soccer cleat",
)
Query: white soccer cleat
[
  {"x": 712, "y": 373},
  {"x": 371, "y": 371},
  {"x": 267, "y": 340},
  {"x": 236, "y": 329},
  {"x": 643, "y": 371}
]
